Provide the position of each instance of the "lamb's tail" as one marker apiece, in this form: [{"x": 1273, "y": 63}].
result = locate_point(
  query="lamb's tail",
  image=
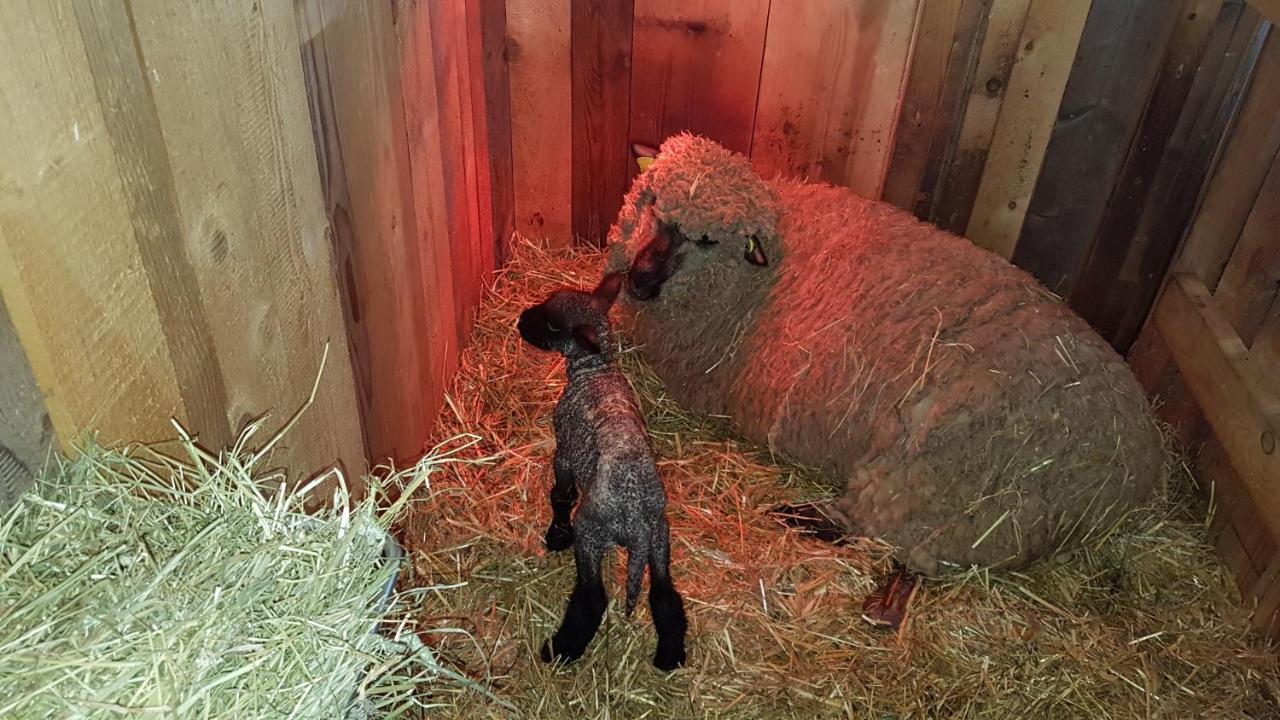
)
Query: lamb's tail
[{"x": 637, "y": 559}]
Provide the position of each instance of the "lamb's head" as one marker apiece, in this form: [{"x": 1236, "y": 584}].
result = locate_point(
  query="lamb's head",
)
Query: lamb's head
[
  {"x": 696, "y": 206},
  {"x": 572, "y": 322}
]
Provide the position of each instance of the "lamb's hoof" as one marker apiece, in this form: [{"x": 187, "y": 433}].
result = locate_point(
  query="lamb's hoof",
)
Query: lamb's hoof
[
  {"x": 554, "y": 656},
  {"x": 670, "y": 658},
  {"x": 559, "y": 537},
  {"x": 811, "y": 520},
  {"x": 887, "y": 606}
]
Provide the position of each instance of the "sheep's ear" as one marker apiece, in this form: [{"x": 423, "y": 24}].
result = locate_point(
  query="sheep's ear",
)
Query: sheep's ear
[
  {"x": 607, "y": 290},
  {"x": 645, "y": 155},
  {"x": 587, "y": 338},
  {"x": 754, "y": 252}
]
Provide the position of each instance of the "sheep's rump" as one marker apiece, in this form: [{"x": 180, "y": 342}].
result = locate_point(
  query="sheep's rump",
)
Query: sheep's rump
[{"x": 963, "y": 413}]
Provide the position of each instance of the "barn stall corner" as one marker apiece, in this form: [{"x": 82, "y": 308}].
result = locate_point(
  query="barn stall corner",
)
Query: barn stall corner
[{"x": 953, "y": 326}]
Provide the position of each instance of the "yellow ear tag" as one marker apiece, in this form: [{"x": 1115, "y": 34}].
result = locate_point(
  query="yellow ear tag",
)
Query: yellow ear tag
[{"x": 644, "y": 163}]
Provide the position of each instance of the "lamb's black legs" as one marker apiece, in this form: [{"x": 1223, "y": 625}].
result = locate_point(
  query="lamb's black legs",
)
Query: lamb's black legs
[
  {"x": 564, "y": 493},
  {"x": 586, "y": 604},
  {"x": 665, "y": 605}
]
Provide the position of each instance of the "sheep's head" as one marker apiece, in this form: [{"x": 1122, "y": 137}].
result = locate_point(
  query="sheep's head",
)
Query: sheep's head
[
  {"x": 571, "y": 322},
  {"x": 696, "y": 204}
]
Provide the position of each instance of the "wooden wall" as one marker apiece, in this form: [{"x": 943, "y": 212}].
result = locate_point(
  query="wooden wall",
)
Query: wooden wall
[
  {"x": 409, "y": 105},
  {"x": 1211, "y": 350},
  {"x": 163, "y": 249}
]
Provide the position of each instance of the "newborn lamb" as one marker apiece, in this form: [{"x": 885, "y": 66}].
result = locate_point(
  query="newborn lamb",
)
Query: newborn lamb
[{"x": 603, "y": 451}]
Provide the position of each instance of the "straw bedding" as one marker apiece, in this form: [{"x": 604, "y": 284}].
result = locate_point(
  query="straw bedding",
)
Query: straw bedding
[{"x": 1139, "y": 622}]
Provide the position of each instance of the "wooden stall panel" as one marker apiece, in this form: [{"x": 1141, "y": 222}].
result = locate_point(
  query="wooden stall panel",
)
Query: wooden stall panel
[
  {"x": 541, "y": 117},
  {"x": 960, "y": 175},
  {"x": 71, "y": 271},
  {"x": 249, "y": 214},
  {"x": 830, "y": 88},
  {"x": 696, "y": 67},
  {"x": 601, "y": 89},
  {"x": 1111, "y": 134},
  {"x": 352, "y": 55},
  {"x": 1047, "y": 44},
  {"x": 1250, "y": 284},
  {"x": 948, "y": 34}
]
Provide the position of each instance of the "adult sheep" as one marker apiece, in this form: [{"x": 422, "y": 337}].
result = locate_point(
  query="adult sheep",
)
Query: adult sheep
[{"x": 960, "y": 410}]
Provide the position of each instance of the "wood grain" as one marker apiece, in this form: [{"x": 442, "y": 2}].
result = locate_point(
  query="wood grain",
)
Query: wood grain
[
  {"x": 696, "y": 67},
  {"x": 234, "y": 117},
  {"x": 941, "y": 43},
  {"x": 1239, "y": 174},
  {"x": 830, "y": 88},
  {"x": 82, "y": 310},
  {"x": 961, "y": 170},
  {"x": 1100, "y": 171},
  {"x": 541, "y": 117},
  {"x": 1266, "y": 346},
  {"x": 133, "y": 126},
  {"x": 1251, "y": 282},
  {"x": 1049, "y": 40},
  {"x": 486, "y": 31},
  {"x": 600, "y": 67},
  {"x": 353, "y": 55},
  {"x": 443, "y": 271},
  {"x": 1230, "y": 387}
]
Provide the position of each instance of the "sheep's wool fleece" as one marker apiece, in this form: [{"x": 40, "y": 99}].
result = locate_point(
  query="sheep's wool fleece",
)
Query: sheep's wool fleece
[{"x": 961, "y": 411}]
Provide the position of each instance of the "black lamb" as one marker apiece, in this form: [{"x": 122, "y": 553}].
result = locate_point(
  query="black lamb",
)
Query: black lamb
[{"x": 603, "y": 452}]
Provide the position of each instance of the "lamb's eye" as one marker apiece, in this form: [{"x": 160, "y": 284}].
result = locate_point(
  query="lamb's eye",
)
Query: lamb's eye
[{"x": 552, "y": 326}]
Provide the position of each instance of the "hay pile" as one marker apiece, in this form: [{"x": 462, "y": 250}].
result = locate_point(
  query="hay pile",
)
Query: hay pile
[
  {"x": 135, "y": 583},
  {"x": 1141, "y": 623}
]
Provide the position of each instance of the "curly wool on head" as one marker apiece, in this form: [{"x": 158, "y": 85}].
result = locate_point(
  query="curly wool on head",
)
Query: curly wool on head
[{"x": 959, "y": 409}]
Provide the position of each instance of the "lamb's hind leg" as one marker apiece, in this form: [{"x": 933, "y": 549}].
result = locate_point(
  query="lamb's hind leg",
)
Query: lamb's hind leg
[
  {"x": 587, "y": 603},
  {"x": 665, "y": 603},
  {"x": 564, "y": 493}
]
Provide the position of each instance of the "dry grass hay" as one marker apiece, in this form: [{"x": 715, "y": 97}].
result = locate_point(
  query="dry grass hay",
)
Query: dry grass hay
[{"x": 1142, "y": 622}]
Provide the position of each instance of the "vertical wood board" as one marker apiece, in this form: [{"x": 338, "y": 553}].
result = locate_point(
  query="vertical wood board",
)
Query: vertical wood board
[
  {"x": 830, "y": 88},
  {"x": 1251, "y": 282},
  {"x": 600, "y": 65},
  {"x": 696, "y": 66},
  {"x": 541, "y": 117},
  {"x": 1049, "y": 40}
]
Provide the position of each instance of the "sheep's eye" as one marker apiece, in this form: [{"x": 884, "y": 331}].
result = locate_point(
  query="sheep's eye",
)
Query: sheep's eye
[{"x": 552, "y": 326}]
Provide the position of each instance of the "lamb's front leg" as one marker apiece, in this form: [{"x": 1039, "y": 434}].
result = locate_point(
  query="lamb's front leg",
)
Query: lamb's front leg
[
  {"x": 587, "y": 603},
  {"x": 564, "y": 493}
]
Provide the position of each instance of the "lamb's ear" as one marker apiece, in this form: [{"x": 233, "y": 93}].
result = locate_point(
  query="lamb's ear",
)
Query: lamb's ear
[
  {"x": 607, "y": 290},
  {"x": 754, "y": 252},
  {"x": 587, "y": 338}
]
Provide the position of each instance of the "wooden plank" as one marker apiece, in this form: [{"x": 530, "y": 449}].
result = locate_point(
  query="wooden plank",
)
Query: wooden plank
[
  {"x": 1047, "y": 46},
  {"x": 70, "y": 267},
  {"x": 1209, "y": 113},
  {"x": 1228, "y": 385},
  {"x": 1235, "y": 506},
  {"x": 830, "y": 87},
  {"x": 600, "y": 36},
  {"x": 696, "y": 67},
  {"x": 25, "y": 430},
  {"x": 541, "y": 117},
  {"x": 945, "y": 44},
  {"x": 230, "y": 100},
  {"x": 133, "y": 126},
  {"x": 446, "y": 332},
  {"x": 1238, "y": 177},
  {"x": 1266, "y": 346},
  {"x": 1270, "y": 9},
  {"x": 485, "y": 30},
  {"x": 1058, "y": 239},
  {"x": 1251, "y": 281},
  {"x": 353, "y": 55}
]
